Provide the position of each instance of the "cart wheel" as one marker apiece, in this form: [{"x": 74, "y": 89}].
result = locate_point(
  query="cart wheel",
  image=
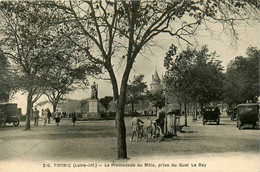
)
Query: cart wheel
[
  {"x": 16, "y": 123},
  {"x": 2, "y": 123},
  {"x": 148, "y": 134}
]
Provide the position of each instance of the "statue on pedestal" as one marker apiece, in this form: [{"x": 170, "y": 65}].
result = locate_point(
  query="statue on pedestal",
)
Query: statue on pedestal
[{"x": 94, "y": 91}]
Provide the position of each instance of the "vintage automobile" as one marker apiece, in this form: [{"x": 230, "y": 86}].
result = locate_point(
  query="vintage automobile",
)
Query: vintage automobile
[
  {"x": 211, "y": 114},
  {"x": 248, "y": 114},
  {"x": 8, "y": 114}
]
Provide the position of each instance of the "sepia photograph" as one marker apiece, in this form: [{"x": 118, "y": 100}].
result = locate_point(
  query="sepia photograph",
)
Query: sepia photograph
[{"x": 129, "y": 85}]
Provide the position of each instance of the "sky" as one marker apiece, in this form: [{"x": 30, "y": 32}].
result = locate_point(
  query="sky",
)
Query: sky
[{"x": 149, "y": 62}]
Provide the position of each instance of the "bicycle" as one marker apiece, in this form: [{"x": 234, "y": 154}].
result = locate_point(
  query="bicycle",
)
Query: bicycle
[
  {"x": 140, "y": 133},
  {"x": 154, "y": 131}
]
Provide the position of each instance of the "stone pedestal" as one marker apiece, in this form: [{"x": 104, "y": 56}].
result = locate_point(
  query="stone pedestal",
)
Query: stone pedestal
[{"x": 93, "y": 109}]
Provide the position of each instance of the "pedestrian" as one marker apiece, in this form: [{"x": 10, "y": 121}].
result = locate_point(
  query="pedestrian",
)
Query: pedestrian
[
  {"x": 136, "y": 126},
  {"x": 45, "y": 116},
  {"x": 36, "y": 116},
  {"x": 74, "y": 118},
  {"x": 183, "y": 113},
  {"x": 160, "y": 119},
  {"x": 49, "y": 115},
  {"x": 57, "y": 115}
]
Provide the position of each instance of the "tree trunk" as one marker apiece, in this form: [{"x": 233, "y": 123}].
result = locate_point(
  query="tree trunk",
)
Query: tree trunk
[
  {"x": 121, "y": 131},
  {"x": 133, "y": 107},
  {"x": 185, "y": 113},
  {"x": 54, "y": 106},
  {"x": 180, "y": 107},
  {"x": 113, "y": 80},
  {"x": 201, "y": 109},
  {"x": 120, "y": 123},
  {"x": 195, "y": 111},
  {"x": 29, "y": 110}
]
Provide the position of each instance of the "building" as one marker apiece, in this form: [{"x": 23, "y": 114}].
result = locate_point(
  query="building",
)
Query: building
[{"x": 156, "y": 83}]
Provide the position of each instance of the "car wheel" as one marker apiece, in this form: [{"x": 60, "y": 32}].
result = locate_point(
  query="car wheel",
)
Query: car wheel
[
  {"x": 2, "y": 123},
  {"x": 240, "y": 126},
  {"x": 16, "y": 123}
]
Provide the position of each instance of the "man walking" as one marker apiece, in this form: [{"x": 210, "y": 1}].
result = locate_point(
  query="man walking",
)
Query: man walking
[
  {"x": 36, "y": 116},
  {"x": 160, "y": 118},
  {"x": 49, "y": 115},
  {"x": 45, "y": 116},
  {"x": 57, "y": 116}
]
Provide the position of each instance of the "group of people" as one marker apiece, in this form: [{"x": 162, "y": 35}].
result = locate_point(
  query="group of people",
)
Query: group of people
[
  {"x": 46, "y": 114},
  {"x": 158, "y": 121}
]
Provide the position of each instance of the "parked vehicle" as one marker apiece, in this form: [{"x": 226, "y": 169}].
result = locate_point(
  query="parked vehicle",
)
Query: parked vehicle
[
  {"x": 211, "y": 114},
  {"x": 248, "y": 114},
  {"x": 8, "y": 114}
]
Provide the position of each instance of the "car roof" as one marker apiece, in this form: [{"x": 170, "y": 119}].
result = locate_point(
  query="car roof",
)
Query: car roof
[
  {"x": 211, "y": 106},
  {"x": 7, "y": 103},
  {"x": 248, "y": 104}
]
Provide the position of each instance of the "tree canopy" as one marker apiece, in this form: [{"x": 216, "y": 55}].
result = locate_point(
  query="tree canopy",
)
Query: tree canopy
[
  {"x": 136, "y": 91},
  {"x": 196, "y": 75},
  {"x": 242, "y": 78},
  {"x": 7, "y": 84},
  {"x": 105, "y": 101}
]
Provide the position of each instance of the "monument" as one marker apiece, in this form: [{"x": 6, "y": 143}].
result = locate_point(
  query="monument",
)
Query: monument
[{"x": 93, "y": 103}]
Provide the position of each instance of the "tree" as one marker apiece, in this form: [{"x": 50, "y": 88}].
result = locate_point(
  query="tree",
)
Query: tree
[
  {"x": 105, "y": 102},
  {"x": 65, "y": 75},
  {"x": 179, "y": 81},
  {"x": 241, "y": 78},
  {"x": 7, "y": 85},
  {"x": 206, "y": 78},
  {"x": 196, "y": 75},
  {"x": 135, "y": 91},
  {"x": 27, "y": 39},
  {"x": 129, "y": 26},
  {"x": 157, "y": 99}
]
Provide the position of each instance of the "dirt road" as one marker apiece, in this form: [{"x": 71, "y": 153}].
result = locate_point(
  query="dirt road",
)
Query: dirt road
[{"x": 95, "y": 141}]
